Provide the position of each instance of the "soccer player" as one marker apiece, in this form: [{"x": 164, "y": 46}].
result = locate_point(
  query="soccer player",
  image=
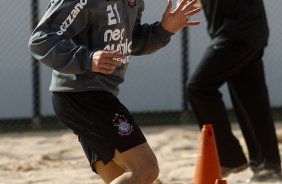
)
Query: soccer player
[{"x": 88, "y": 44}]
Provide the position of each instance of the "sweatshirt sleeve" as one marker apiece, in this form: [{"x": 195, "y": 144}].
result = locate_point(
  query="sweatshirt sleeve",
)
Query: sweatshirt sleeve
[
  {"x": 148, "y": 38},
  {"x": 52, "y": 41}
]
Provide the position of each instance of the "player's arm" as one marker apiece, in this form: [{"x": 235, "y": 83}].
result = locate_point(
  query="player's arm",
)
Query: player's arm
[
  {"x": 52, "y": 40},
  {"x": 148, "y": 38}
]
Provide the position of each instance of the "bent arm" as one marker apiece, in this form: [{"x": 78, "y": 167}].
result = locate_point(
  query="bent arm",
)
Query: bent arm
[
  {"x": 52, "y": 41},
  {"x": 148, "y": 38}
]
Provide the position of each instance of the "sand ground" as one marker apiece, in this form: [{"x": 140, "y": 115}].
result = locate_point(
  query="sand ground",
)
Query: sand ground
[{"x": 57, "y": 158}]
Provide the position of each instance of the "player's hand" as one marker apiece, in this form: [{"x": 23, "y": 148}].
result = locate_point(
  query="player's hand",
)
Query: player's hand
[
  {"x": 174, "y": 21},
  {"x": 106, "y": 61}
]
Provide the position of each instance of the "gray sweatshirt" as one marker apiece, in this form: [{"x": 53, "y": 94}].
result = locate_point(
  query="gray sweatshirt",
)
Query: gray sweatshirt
[{"x": 72, "y": 30}]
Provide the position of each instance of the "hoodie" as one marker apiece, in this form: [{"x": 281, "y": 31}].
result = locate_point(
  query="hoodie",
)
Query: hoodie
[{"x": 72, "y": 30}]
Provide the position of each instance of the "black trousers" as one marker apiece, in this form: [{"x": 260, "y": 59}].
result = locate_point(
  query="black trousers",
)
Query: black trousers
[{"x": 239, "y": 64}]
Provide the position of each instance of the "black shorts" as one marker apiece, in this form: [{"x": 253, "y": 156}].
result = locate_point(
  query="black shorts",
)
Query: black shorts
[{"x": 100, "y": 121}]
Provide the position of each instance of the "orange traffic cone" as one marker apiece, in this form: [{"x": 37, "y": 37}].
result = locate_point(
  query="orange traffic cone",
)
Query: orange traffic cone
[
  {"x": 207, "y": 163},
  {"x": 218, "y": 181}
]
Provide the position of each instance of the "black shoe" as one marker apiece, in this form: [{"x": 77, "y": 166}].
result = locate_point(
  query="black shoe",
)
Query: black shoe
[
  {"x": 266, "y": 175},
  {"x": 225, "y": 171}
]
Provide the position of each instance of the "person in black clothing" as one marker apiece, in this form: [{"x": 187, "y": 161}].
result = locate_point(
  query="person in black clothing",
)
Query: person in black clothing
[{"x": 239, "y": 33}]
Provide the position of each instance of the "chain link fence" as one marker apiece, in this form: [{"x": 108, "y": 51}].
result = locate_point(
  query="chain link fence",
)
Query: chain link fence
[{"x": 154, "y": 86}]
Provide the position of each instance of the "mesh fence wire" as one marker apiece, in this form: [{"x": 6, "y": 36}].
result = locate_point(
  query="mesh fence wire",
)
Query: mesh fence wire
[{"x": 154, "y": 87}]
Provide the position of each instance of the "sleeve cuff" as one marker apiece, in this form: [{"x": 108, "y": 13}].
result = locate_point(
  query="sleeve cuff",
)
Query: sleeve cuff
[
  {"x": 87, "y": 61},
  {"x": 164, "y": 34}
]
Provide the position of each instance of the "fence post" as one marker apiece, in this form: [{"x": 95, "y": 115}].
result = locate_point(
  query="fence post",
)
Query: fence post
[
  {"x": 185, "y": 73},
  {"x": 35, "y": 73}
]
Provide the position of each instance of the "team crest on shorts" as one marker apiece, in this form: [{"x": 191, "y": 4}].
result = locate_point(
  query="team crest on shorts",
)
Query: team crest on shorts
[
  {"x": 131, "y": 3},
  {"x": 124, "y": 127}
]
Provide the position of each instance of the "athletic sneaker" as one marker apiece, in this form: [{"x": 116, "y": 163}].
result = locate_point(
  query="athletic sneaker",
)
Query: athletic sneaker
[
  {"x": 225, "y": 171},
  {"x": 267, "y": 175}
]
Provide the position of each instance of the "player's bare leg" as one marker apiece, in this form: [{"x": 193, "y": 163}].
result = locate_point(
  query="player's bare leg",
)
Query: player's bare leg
[
  {"x": 139, "y": 165},
  {"x": 108, "y": 172}
]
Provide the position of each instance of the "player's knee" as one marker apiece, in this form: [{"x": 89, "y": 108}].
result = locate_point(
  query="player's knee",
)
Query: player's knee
[
  {"x": 153, "y": 173},
  {"x": 148, "y": 174},
  {"x": 146, "y": 171}
]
